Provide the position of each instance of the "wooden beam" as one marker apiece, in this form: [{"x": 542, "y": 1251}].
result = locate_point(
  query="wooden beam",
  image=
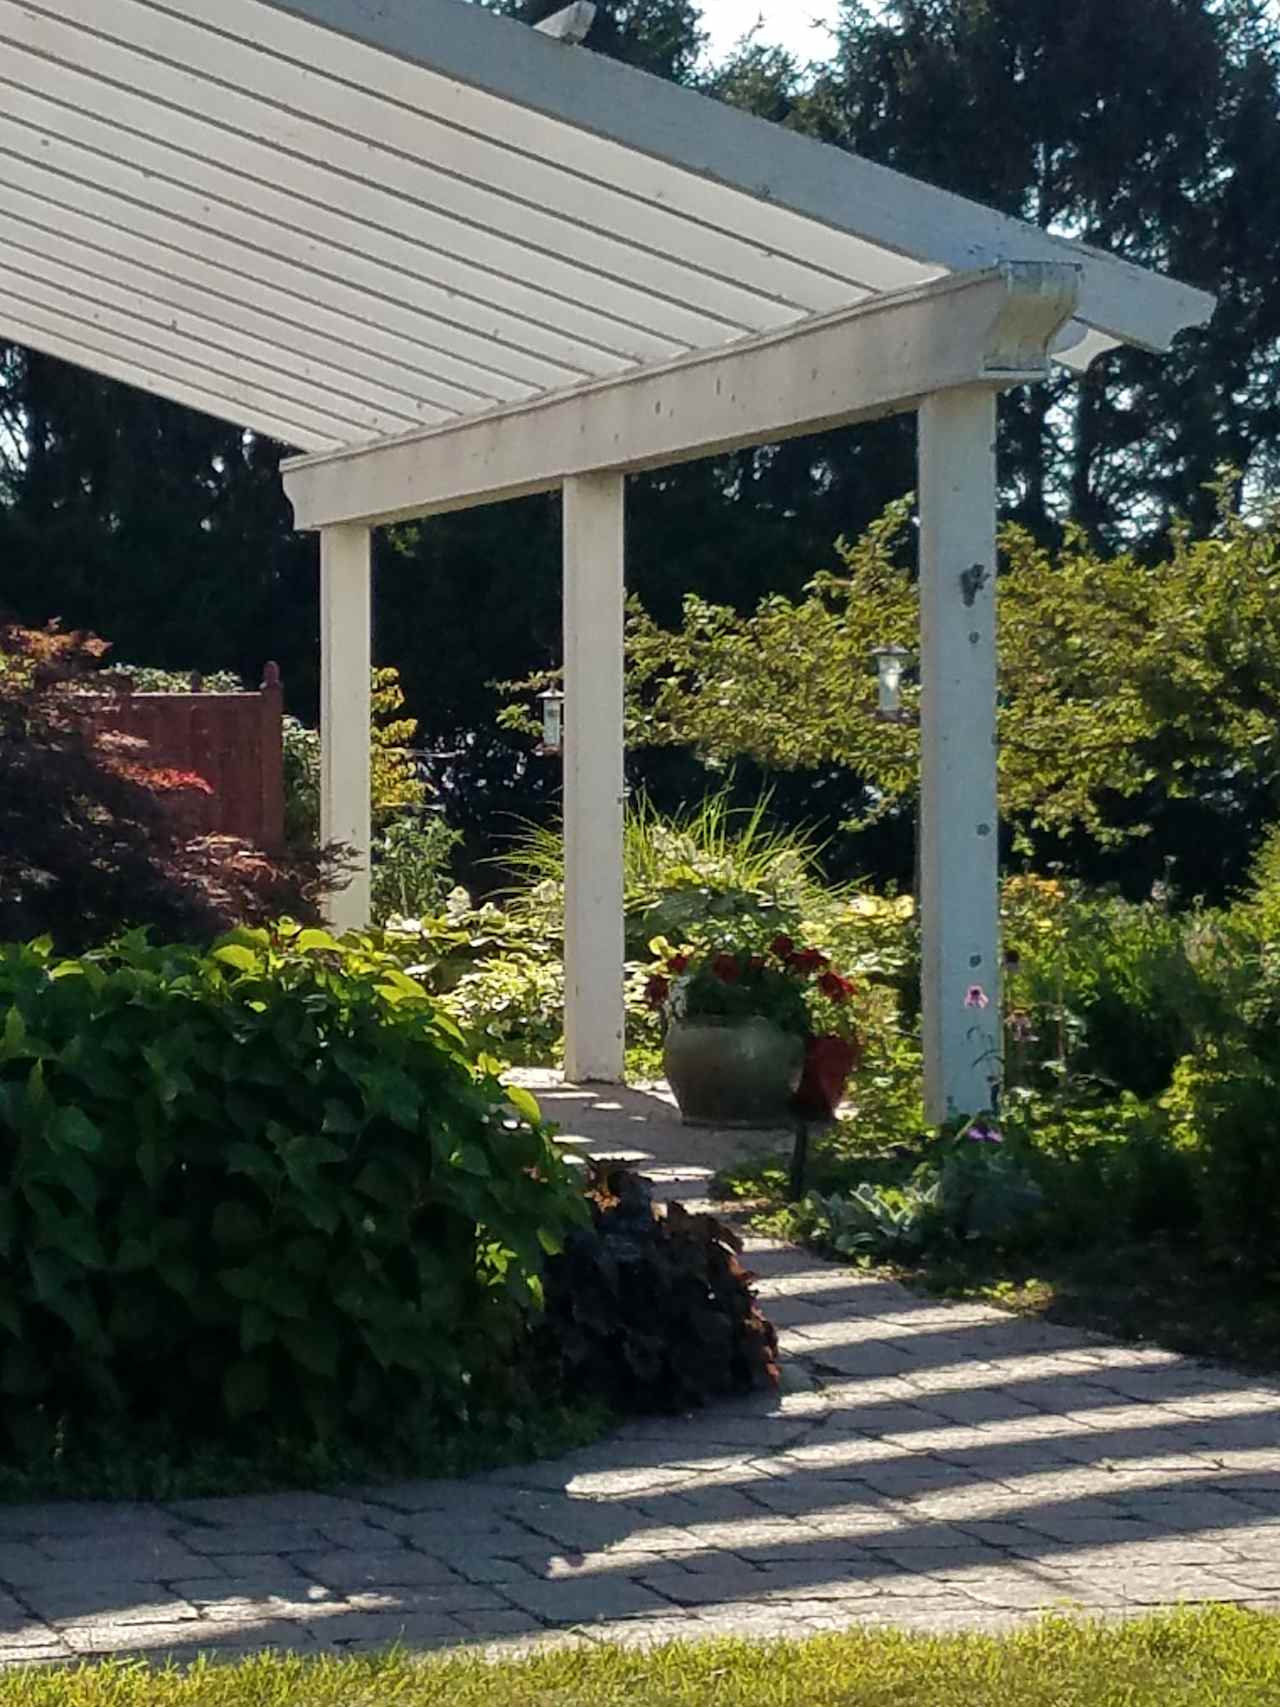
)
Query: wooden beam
[{"x": 877, "y": 358}]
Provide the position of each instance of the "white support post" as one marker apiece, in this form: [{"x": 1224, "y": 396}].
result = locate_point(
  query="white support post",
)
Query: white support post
[
  {"x": 959, "y": 827},
  {"x": 346, "y": 650},
  {"x": 594, "y": 954}
]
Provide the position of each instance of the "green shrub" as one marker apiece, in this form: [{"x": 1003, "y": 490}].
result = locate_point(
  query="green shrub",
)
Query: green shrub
[
  {"x": 654, "y": 1313},
  {"x": 1110, "y": 984},
  {"x": 412, "y": 873},
  {"x": 1224, "y": 1107},
  {"x": 259, "y": 1186}
]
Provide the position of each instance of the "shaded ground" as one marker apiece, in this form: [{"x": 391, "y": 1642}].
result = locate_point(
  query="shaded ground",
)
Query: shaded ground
[{"x": 929, "y": 1465}]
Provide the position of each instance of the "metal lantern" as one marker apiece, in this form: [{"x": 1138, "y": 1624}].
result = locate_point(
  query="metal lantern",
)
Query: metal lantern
[
  {"x": 891, "y": 664},
  {"x": 552, "y": 703}
]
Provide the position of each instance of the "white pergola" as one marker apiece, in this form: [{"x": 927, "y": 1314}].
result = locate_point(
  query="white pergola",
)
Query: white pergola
[{"x": 453, "y": 260}]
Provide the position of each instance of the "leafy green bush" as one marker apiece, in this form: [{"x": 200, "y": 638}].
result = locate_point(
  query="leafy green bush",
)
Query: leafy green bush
[
  {"x": 1224, "y": 1106},
  {"x": 411, "y": 866},
  {"x": 259, "y": 1186},
  {"x": 1111, "y": 985},
  {"x": 650, "y": 1312}
]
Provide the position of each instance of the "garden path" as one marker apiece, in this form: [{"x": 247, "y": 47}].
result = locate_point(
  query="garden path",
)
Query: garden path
[{"x": 928, "y": 1466}]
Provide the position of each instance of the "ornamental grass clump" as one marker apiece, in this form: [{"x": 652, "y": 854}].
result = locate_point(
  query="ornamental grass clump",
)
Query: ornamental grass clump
[{"x": 258, "y": 1192}]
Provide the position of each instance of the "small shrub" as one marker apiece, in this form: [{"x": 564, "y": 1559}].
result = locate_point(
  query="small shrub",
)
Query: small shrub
[
  {"x": 257, "y": 1188},
  {"x": 1224, "y": 1106},
  {"x": 411, "y": 866},
  {"x": 651, "y": 1312}
]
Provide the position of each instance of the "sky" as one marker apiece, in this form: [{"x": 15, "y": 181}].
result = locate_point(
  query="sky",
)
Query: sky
[{"x": 793, "y": 24}]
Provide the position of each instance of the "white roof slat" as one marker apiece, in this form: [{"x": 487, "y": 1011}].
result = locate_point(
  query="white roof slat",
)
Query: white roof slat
[
  {"x": 692, "y": 212},
  {"x": 164, "y": 127},
  {"x": 156, "y": 239},
  {"x": 62, "y": 236},
  {"x": 733, "y": 151},
  {"x": 283, "y": 342},
  {"x": 544, "y": 357},
  {"x": 177, "y": 381},
  {"x": 477, "y": 179},
  {"x": 84, "y": 301}
]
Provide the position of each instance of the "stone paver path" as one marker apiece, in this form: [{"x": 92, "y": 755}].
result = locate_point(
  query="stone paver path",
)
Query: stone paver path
[{"x": 928, "y": 1466}]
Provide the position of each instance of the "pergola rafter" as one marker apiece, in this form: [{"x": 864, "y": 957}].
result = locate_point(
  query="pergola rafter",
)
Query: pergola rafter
[{"x": 452, "y": 260}]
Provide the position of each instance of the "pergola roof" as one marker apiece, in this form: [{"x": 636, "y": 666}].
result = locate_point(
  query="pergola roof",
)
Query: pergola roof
[{"x": 342, "y": 221}]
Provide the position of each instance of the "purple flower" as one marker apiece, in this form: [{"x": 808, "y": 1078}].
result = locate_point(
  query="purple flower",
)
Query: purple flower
[
  {"x": 982, "y": 1133},
  {"x": 976, "y": 997}
]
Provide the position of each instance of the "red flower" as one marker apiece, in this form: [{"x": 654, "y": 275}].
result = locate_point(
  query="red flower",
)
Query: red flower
[
  {"x": 656, "y": 991},
  {"x": 726, "y": 968},
  {"x": 833, "y": 985},
  {"x": 783, "y": 947},
  {"x": 808, "y": 960},
  {"x": 677, "y": 964},
  {"x": 756, "y": 963}
]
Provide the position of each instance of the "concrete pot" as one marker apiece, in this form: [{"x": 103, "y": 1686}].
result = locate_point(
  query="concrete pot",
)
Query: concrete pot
[{"x": 739, "y": 1073}]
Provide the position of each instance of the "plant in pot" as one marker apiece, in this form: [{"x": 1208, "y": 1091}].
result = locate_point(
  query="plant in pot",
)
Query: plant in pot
[{"x": 758, "y": 1032}]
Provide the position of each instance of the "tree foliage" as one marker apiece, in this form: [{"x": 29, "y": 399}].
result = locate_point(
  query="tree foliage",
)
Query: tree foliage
[
  {"x": 1145, "y": 127},
  {"x": 1129, "y": 690}
]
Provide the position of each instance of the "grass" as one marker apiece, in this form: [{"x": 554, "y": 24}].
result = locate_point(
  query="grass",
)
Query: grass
[
  {"x": 1221, "y": 1657},
  {"x": 138, "y": 1465},
  {"x": 713, "y": 841}
]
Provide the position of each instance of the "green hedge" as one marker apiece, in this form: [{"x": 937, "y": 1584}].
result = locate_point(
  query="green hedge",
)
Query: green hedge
[{"x": 261, "y": 1186}]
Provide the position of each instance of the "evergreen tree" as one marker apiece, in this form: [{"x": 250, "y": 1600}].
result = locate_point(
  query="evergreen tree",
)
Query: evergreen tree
[{"x": 1149, "y": 128}]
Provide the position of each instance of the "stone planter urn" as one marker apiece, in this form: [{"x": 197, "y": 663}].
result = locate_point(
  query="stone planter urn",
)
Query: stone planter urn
[{"x": 738, "y": 1073}]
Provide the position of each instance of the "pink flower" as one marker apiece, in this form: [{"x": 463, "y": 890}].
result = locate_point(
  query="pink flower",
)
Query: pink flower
[{"x": 976, "y": 997}]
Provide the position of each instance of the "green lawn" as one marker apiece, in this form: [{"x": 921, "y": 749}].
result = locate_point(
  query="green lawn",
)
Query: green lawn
[{"x": 1216, "y": 1658}]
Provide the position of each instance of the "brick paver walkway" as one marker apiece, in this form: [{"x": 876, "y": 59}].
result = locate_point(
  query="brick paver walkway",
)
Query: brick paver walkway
[{"x": 928, "y": 1466}]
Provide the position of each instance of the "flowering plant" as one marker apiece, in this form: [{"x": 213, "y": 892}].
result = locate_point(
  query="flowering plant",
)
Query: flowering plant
[{"x": 796, "y": 988}]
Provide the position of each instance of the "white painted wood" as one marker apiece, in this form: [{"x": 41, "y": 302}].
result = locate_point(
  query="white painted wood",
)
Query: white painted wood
[
  {"x": 180, "y": 381},
  {"x": 571, "y": 24},
  {"x": 588, "y": 177},
  {"x": 363, "y": 375},
  {"x": 387, "y": 329},
  {"x": 346, "y": 668},
  {"x": 872, "y": 359},
  {"x": 702, "y": 136},
  {"x": 382, "y": 205},
  {"x": 594, "y": 577},
  {"x": 311, "y": 388},
  {"x": 959, "y": 822},
  {"x": 266, "y": 218}
]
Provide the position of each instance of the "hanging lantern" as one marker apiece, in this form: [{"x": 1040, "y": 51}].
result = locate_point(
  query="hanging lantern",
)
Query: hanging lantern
[
  {"x": 891, "y": 664},
  {"x": 552, "y": 703}
]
